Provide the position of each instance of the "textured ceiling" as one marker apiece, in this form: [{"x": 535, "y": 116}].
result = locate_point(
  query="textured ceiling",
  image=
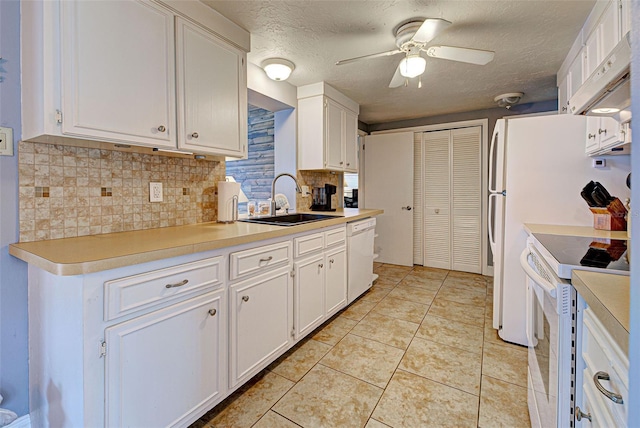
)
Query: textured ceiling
[{"x": 530, "y": 38}]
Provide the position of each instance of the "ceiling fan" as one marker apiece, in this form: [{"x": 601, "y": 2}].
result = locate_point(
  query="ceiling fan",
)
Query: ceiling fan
[{"x": 412, "y": 38}]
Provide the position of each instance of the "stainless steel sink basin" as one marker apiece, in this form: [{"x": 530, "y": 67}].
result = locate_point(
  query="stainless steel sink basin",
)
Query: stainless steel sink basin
[{"x": 289, "y": 219}]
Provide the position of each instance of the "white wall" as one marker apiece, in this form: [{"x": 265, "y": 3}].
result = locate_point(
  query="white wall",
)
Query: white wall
[
  {"x": 13, "y": 273},
  {"x": 634, "y": 340},
  {"x": 281, "y": 98}
]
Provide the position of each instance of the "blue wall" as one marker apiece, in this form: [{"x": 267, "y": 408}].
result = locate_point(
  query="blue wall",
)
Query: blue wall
[{"x": 14, "y": 374}]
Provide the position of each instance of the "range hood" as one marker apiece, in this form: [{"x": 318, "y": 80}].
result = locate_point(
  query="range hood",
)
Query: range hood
[{"x": 607, "y": 92}]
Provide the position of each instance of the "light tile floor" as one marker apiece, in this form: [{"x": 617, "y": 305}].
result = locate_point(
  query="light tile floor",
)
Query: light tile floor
[{"x": 417, "y": 350}]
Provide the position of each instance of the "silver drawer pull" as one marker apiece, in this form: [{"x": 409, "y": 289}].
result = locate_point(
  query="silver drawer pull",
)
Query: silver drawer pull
[
  {"x": 212, "y": 312},
  {"x": 616, "y": 398},
  {"x": 580, "y": 414},
  {"x": 178, "y": 284},
  {"x": 267, "y": 259},
  {"x": 245, "y": 298}
]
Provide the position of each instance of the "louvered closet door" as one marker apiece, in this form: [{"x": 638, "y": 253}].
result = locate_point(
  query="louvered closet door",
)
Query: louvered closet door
[
  {"x": 466, "y": 200},
  {"x": 418, "y": 204},
  {"x": 437, "y": 189}
]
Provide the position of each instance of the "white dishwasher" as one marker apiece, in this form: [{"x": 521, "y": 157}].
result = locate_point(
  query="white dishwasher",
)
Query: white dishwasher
[{"x": 360, "y": 235}]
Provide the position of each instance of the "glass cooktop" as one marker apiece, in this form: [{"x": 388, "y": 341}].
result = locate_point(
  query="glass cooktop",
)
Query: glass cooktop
[{"x": 578, "y": 252}]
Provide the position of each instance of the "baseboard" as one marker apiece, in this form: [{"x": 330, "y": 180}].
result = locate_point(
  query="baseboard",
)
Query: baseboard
[{"x": 21, "y": 422}]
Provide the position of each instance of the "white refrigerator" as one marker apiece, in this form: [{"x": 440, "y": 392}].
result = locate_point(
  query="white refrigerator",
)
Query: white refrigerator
[{"x": 537, "y": 168}]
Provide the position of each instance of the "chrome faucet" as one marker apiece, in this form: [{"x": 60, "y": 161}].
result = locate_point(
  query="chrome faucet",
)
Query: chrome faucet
[{"x": 273, "y": 190}]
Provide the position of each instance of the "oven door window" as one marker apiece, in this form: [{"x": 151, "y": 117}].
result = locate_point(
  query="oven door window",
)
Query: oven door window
[{"x": 543, "y": 348}]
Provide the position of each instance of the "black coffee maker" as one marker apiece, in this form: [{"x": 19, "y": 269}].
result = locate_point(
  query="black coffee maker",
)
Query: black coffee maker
[{"x": 322, "y": 198}]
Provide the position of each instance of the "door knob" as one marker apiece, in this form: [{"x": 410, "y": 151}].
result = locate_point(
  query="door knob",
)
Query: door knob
[{"x": 408, "y": 208}]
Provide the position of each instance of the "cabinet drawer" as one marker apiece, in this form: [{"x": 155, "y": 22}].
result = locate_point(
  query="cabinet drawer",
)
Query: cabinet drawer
[
  {"x": 308, "y": 244},
  {"x": 601, "y": 353},
  {"x": 335, "y": 237},
  {"x": 147, "y": 290},
  {"x": 260, "y": 259}
]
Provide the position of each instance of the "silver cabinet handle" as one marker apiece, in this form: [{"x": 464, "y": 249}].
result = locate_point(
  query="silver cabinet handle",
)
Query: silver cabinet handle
[
  {"x": 266, "y": 259},
  {"x": 564, "y": 109},
  {"x": 348, "y": 164},
  {"x": 194, "y": 135},
  {"x": 331, "y": 261},
  {"x": 341, "y": 162},
  {"x": 580, "y": 415},
  {"x": 590, "y": 136},
  {"x": 245, "y": 298},
  {"x": 161, "y": 128},
  {"x": 408, "y": 208},
  {"x": 213, "y": 312},
  {"x": 602, "y": 131},
  {"x": 177, "y": 284},
  {"x": 616, "y": 398},
  {"x": 320, "y": 265}
]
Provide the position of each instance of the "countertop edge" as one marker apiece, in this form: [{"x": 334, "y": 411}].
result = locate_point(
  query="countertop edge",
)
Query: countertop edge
[
  {"x": 580, "y": 280},
  {"x": 35, "y": 258}
]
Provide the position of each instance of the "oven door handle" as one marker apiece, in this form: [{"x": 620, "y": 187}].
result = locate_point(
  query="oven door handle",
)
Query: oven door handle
[{"x": 548, "y": 287}]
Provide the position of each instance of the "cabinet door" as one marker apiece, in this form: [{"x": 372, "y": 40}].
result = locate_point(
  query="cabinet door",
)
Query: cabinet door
[
  {"x": 591, "y": 53},
  {"x": 211, "y": 93},
  {"x": 118, "y": 72},
  {"x": 625, "y": 16},
  {"x": 592, "y": 138},
  {"x": 261, "y": 310},
  {"x": 335, "y": 281},
  {"x": 309, "y": 294},
  {"x": 575, "y": 76},
  {"x": 609, "y": 29},
  {"x": 161, "y": 366},
  {"x": 563, "y": 94},
  {"x": 608, "y": 132},
  {"x": 333, "y": 135},
  {"x": 351, "y": 141}
]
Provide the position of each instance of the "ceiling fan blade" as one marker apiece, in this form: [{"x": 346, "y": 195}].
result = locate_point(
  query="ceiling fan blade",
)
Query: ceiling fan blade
[
  {"x": 376, "y": 55},
  {"x": 398, "y": 79},
  {"x": 429, "y": 29},
  {"x": 471, "y": 56}
]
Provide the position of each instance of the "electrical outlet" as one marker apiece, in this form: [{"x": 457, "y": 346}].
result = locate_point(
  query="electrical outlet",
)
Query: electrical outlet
[
  {"x": 6, "y": 142},
  {"x": 155, "y": 192}
]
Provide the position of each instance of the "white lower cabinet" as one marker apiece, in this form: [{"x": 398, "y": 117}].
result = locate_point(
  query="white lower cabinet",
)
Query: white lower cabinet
[
  {"x": 161, "y": 343},
  {"x": 336, "y": 280},
  {"x": 161, "y": 366},
  {"x": 260, "y": 321},
  {"x": 309, "y": 294},
  {"x": 320, "y": 283}
]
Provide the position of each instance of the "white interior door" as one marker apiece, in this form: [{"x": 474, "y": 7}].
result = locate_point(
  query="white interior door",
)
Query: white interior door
[{"x": 388, "y": 180}]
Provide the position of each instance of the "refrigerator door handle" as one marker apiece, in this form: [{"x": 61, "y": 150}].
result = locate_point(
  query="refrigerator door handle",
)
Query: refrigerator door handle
[
  {"x": 492, "y": 149},
  {"x": 492, "y": 238}
]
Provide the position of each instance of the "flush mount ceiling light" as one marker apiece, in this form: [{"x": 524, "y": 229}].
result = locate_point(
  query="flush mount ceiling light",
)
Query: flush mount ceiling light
[
  {"x": 508, "y": 100},
  {"x": 278, "y": 68},
  {"x": 412, "y": 66}
]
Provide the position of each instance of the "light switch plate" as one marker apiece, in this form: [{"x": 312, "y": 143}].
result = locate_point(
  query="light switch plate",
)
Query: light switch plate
[
  {"x": 6, "y": 142},
  {"x": 155, "y": 192}
]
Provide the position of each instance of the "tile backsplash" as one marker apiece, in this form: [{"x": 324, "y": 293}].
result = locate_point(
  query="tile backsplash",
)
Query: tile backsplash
[
  {"x": 70, "y": 191},
  {"x": 318, "y": 179}
]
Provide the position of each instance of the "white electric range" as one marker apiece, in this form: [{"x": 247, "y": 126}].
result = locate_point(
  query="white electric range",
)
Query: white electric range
[{"x": 551, "y": 307}]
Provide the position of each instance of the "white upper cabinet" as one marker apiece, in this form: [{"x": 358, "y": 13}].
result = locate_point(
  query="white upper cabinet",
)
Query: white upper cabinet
[
  {"x": 211, "y": 81},
  {"x": 327, "y": 129},
  {"x": 625, "y": 16},
  {"x": 118, "y": 85},
  {"x": 603, "y": 37},
  {"x": 136, "y": 73}
]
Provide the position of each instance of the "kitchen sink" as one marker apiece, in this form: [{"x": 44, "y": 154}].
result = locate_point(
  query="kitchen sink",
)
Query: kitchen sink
[{"x": 289, "y": 219}]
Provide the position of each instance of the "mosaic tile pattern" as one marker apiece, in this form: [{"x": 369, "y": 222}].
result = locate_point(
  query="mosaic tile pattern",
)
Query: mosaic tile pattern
[
  {"x": 70, "y": 191},
  {"x": 394, "y": 359}
]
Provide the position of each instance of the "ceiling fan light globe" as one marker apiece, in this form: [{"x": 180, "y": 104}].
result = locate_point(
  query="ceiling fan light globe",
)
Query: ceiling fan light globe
[
  {"x": 412, "y": 66},
  {"x": 278, "y": 69}
]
